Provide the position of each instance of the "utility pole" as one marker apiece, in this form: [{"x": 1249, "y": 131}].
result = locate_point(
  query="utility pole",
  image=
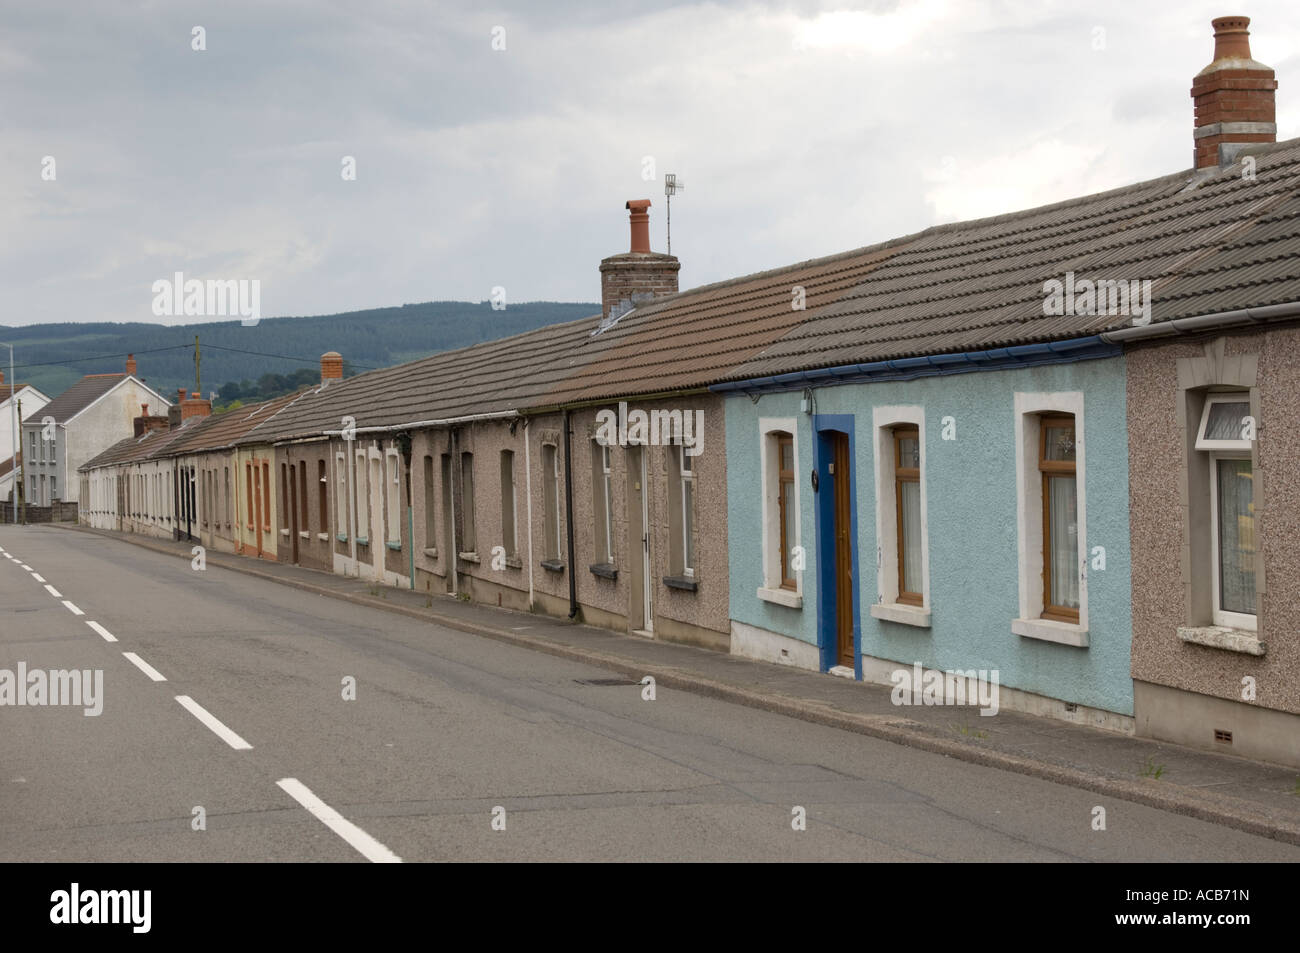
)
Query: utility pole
[
  {"x": 20, "y": 417},
  {"x": 197, "y": 389},
  {"x": 17, "y": 437}
]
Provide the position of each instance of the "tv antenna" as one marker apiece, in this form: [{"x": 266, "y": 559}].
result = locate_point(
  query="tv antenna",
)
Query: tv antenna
[{"x": 671, "y": 188}]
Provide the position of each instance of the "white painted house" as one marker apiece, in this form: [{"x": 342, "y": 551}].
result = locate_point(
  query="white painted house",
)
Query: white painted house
[
  {"x": 82, "y": 422},
  {"x": 12, "y": 395}
]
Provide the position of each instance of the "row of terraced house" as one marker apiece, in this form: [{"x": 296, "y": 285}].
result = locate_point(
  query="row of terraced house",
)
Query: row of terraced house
[{"x": 1060, "y": 445}]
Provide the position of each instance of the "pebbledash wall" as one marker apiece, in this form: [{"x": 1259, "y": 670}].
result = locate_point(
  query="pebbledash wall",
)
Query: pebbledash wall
[
  {"x": 535, "y": 574},
  {"x": 1187, "y": 689},
  {"x": 970, "y": 499}
]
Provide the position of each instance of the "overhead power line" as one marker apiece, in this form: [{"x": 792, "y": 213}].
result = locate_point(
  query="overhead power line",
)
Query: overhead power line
[{"x": 104, "y": 357}]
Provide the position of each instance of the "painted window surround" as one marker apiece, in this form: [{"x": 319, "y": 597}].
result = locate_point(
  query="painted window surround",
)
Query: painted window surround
[
  {"x": 393, "y": 497},
  {"x": 1215, "y": 374},
  {"x": 1029, "y": 524},
  {"x": 887, "y": 606},
  {"x": 770, "y": 590}
]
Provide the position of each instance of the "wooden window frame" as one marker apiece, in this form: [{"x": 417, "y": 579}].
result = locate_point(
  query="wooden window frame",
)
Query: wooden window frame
[
  {"x": 902, "y": 474},
  {"x": 1048, "y": 469},
  {"x": 248, "y": 475},
  {"x": 784, "y": 478},
  {"x": 551, "y": 530},
  {"x": 509, "y": 507},
  {"x": 430, "y": 503},
  {"x": 266, "y": 496},
  {"x": 468, "y": 524},
  {"x": 392, "y": 477},
  {"x": 322, "y": 490},
  {"x": 287, "y": 475}
]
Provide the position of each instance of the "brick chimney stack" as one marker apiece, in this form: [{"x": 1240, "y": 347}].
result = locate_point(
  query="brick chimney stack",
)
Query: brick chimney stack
[
  {"x": 130, "y": 365},
  {"x": 331, "y": 367},
  {"x": 149, "y": 422},
  {"x": 195, "y": 406},
  {"x": 1233, "y": 96},
  {"x": 640, "y": 274}
]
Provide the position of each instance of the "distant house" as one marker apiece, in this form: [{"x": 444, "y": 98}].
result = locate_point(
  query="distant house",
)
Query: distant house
[
  {"x": 87, "y": 418},
  {"x": 13, "y": 395}
]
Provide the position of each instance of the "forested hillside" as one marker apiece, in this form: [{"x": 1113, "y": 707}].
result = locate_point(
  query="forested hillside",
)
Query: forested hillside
[{"x": 251, "y": 363}]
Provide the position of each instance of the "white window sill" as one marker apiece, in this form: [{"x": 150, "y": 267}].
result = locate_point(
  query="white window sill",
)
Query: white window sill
[
  {"x": 302, "y": 534},
  {"x": 469, "y": 557},
  {"x": 898, "y": 612},
  {"x": 782, "y": 597},
  {"x": 1063, "y": 633},
  {"x": 284, "y": 533},
  {"x": 431, "y": 553},
  {"x": 1222, "y": 637}
]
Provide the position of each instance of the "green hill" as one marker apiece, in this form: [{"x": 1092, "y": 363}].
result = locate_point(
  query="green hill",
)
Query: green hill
[{"x": 250, "y": 363}]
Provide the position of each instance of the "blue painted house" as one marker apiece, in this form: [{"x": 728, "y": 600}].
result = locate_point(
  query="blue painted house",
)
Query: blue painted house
[{"x": 928, "y": 454}]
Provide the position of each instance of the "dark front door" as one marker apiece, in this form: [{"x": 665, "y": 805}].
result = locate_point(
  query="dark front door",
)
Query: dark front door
[{"x": 843, "y": 475}]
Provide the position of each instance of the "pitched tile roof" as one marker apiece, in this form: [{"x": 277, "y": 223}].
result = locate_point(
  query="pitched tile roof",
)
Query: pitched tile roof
[
  {"x": 1226, "y": 244},
  {"x": 80, "y": 396},
  {"x": 491, "y": 377},
  {"x": 152, "y": 443},
  {"x": 222, "y": 430},
  {"x": 1208, "y": 244},
  {"x": 7, "y": 390}
]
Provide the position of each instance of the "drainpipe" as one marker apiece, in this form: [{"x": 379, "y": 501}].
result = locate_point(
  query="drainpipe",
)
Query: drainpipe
[
  {"x": 528, "y": 493},
  {"x": 404, "y": 445},
  {"x": 568, "y": 511},
  {"x": 453, "y": 467},
  {"x": 354, "y": 501}
]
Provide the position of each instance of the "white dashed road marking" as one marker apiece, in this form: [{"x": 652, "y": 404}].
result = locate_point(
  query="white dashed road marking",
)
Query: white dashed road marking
[
  {"x": 54, "y": 592},
  {"x": 217, "y": 728},
  {"x": 38, "y": 577},
  {"x": 71, "y": 608},
  {"x": 144, "y": 666},
  {"x": 366, "y": 845},
  {"x": 109, "y": 636}
]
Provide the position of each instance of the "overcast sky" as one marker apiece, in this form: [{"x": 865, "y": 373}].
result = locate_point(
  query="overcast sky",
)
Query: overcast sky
[{"x": 799, "y": 129}]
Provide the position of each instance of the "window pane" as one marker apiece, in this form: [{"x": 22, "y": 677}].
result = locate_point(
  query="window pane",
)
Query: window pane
[
  {"x": 1236, "y": 536},
  {"x": 787, "y": 456},
  {"x": 787, "y": 509},
  {"x": 1060, "y": 442},
  {"x": 609, "y": 520},
  {"x": 1064, "y": 545},
  {"x": 910, "y": 557},
  {"x": 688, "y": 521},
  {"x": 909, "y": 453},
  {"x": 1225, "y": 420}
]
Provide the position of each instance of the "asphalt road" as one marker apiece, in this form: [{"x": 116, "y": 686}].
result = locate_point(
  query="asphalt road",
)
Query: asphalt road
[{"x": 445, "y": 727}]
